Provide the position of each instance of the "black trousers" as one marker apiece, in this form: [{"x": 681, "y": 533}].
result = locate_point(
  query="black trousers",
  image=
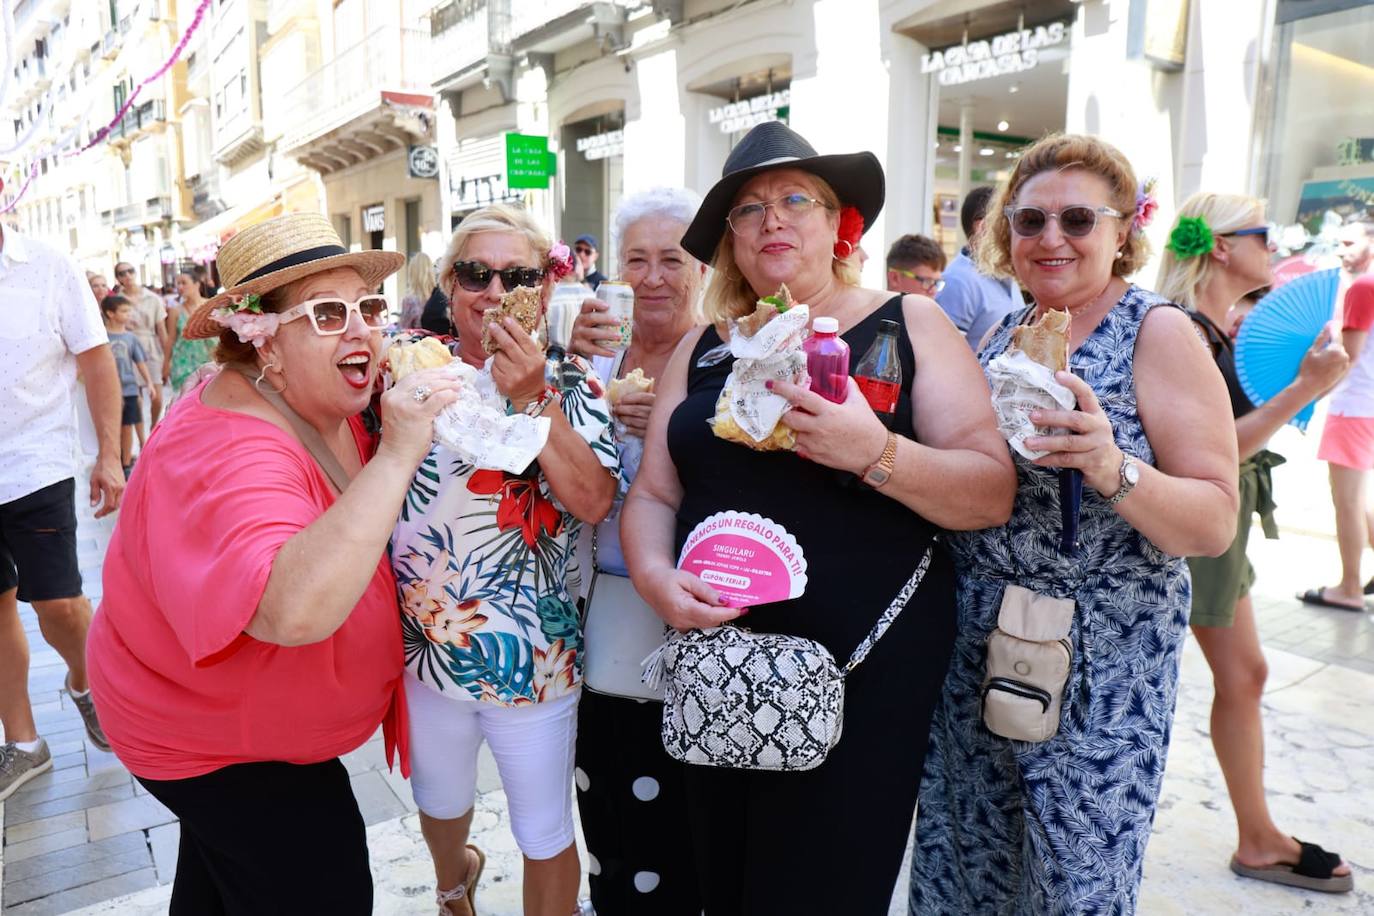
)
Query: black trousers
[{"x": 259, "y": 839}]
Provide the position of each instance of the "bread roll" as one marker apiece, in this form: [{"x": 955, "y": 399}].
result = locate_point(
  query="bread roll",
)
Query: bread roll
[
  {"x": 425, "y": 353},
  {"x": 633, "y": 383},
  {"x": 1046, "y": 341},
  {"x": 524, "y": 304}
]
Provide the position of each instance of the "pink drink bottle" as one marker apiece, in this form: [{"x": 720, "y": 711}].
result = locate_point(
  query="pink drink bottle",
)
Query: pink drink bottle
[{"x": 827, "y": 360}]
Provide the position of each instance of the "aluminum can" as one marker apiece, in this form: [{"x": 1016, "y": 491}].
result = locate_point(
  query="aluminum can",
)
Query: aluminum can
[{"x": 620, "y": 296}]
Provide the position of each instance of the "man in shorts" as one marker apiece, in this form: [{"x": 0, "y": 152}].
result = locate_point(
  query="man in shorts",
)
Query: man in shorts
[
  {"x": 50, "y": 329},
  {"x": 1347, "y": 444}
]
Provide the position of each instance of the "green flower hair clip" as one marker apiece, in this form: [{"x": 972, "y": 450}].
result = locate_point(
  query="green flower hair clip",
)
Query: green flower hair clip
[
  {"x": 1191, "y": 237},
  {"x": 249, "y": 303}
]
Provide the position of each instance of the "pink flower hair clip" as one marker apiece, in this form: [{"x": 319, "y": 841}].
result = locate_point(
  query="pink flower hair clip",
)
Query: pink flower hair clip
[
  {"x": 560, "y": 261},
  {"x": 1145, "y": 206},
  {"x": 245, "y": 317}
]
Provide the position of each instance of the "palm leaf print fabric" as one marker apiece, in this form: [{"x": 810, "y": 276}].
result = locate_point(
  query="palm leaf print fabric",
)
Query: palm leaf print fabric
[
  {"x": 486, "y": 571},
  {"x": 1058, "y": 827}
]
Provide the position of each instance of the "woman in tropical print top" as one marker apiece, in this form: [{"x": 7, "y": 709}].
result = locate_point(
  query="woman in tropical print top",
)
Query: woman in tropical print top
[{"x": 488, "y": 576}]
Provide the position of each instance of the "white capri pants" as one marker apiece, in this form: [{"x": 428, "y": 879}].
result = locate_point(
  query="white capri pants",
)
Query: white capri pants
[{"x": 533, "y": 746}]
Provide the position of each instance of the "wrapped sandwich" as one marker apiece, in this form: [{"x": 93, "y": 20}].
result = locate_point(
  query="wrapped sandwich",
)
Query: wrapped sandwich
[
  {"x": 1022, "y": 378},
  {"x": 524, "y": 304},
  {"x": 635, "y": 382},
  {"x": 767, "y": 346},
  {"x": 407, "y": 357}
]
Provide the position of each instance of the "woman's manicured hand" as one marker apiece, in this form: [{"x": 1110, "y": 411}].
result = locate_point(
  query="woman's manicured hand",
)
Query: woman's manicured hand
[
  {"x": 1324, "y": 365},
  {"x": 687, "y": 603},
  {"x": 847, "y": 436},
  {"x": 595, "y": 330},
  {"x": 408, "y": 424},
  {"x": 1082, "y": 439},
  {"x": 518, "y": 369}
]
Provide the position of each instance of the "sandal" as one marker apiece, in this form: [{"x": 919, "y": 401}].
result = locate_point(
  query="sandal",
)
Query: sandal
[
  {"x": 464, "y": 891},
  {"x": 1317, "y": 596},
  {"x": 1313, "y": 871}
]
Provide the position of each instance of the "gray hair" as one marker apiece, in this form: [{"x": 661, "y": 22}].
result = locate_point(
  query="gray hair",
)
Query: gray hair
[{"x": 677, "y": 204}]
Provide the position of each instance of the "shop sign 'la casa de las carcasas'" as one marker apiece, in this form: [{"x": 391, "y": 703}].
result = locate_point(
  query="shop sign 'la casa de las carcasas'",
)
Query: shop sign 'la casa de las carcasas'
[{"x": 1010, "y": 52}]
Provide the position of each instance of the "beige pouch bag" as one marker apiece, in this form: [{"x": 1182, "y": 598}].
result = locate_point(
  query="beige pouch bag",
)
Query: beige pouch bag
[{"x": 1029, "y": 659}]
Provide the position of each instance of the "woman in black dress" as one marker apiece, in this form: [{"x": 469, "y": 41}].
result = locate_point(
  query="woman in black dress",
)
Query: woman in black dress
[{"x": 828, "y": 840}]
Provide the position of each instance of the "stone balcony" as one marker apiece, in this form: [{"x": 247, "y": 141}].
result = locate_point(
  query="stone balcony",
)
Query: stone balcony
[{"x": 371, "y": 98}]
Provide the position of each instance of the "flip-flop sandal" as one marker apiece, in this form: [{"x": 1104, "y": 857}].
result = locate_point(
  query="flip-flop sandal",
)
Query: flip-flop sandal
[
  {"x": 1369, "y": 587},
  {"x": 474, "y": 876},
  {"x": 1313, "y": 871},
  {"x": 1317, "y": 596}
]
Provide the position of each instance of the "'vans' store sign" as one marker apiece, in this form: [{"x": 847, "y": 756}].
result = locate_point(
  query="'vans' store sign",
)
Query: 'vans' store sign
[{"x": 1010, "y": 52}]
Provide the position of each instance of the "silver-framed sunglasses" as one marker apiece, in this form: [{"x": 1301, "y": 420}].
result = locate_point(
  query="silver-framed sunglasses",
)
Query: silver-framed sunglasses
[
  {"x": 329, "y": 315},
  {"x": 1077, "y": 221}
]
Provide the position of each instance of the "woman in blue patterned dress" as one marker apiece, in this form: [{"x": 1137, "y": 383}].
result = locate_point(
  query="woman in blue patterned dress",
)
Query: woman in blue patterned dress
[
  {"x": 1060, "y": 826},
  {"x": 488, "y": 578}
]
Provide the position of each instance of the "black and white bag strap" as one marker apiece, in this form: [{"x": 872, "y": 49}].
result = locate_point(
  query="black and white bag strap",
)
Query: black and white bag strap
[{"x": 893, "y": 609}]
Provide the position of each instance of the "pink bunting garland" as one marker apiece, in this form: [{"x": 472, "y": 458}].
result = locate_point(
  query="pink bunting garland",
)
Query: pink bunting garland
[{"x": 104, "y": 132}]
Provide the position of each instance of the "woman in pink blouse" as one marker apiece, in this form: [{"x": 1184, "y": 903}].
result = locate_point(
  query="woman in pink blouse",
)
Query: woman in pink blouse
[{"x": 249, "y": 632}]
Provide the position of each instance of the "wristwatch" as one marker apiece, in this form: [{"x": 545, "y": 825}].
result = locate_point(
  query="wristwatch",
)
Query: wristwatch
[
  {"x": 1130, "y": 476},
  {"x": 880, "y": 471}
]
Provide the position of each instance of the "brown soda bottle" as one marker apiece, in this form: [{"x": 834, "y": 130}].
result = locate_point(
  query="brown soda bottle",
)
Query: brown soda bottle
[{"x": 879, "y": 373}]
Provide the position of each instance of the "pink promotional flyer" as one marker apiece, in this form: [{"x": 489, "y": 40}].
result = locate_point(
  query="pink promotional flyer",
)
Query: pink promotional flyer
[{"x": 749, "y": 559}]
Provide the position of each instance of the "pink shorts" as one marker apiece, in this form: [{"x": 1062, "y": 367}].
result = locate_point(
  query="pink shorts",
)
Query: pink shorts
[{"x": 1348, "y": 441}]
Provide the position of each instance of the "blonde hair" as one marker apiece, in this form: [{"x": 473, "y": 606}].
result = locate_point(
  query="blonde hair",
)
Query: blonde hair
[
  {"x": 420, "y": 276},
  {"x": 1058, "y": 152},
  {"x": 729, "y": 295},
  {"x": 1180, "y": 279},
  {"x": 493, "y": 218}
]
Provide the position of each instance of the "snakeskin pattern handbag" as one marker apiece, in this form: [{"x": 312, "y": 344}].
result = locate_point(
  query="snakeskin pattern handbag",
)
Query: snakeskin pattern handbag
[{"x": 758, "y": 701}]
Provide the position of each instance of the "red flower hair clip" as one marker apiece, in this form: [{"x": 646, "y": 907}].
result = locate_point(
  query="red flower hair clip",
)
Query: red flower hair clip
[
  {"x": 560, "y": 261},
  {"x": 850, "y": 231}
]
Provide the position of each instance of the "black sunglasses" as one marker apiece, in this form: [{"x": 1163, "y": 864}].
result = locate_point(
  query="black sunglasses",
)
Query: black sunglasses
[{"x": 474, "y": 276}]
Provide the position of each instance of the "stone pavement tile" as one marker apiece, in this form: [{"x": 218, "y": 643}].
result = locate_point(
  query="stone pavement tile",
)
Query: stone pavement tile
[
  {"x": 53, "y": 882},
  {"x": 98, "y": 761},
  {"x": 85, "y": 895},
  {"x": 139, "y": 813},
  {"x": 16, "y": 852},
  {"x": 376, "y": 801},
  {"x": 400, "y": 786},
  {"x": 31, "y": 830},
  {"x": 72, "y": 760},
  {"x": 79, "y": 858},
  {"x": 1316, "y": 775},
  {"x": 165, "y": 842},
  {"x": 371, "y": 756},
  {"x": 19, "y": 813},
  {"x": 63, "y": 787},
  {"x": 55, "y": 776}
]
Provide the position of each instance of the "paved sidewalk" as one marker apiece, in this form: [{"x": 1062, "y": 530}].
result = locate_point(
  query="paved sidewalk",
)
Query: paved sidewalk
[{"x": 86, "y": 839}]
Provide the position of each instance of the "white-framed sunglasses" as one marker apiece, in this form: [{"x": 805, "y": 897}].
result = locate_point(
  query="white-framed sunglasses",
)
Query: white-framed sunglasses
[{"x": 329, "y": 316}]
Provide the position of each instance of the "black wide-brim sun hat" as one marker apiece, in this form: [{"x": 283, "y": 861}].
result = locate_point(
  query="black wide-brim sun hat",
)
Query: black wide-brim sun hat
[{"x": 856, "y": 177}]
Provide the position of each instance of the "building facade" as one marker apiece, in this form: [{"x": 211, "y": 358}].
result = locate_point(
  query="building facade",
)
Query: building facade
[{"x": 945, "y": 92}]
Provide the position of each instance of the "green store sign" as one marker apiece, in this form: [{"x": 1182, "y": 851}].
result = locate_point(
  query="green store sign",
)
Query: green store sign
[{"x": 529, "y": 164}]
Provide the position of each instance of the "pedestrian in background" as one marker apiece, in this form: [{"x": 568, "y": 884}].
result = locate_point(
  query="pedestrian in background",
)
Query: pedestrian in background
[
  {"x": 629, "y": 790},
  {"x": 1347, "y": 443},
  {"x": 586, "y": 250},
  {"x": 149, "y": 325},
  {"x": 100, "y": 287},
  {"x": 489, "y": 580},
  {"x": 1059, "y": 825},
  {"x": 50, "y": 329},
  {"x": 188, "y": 356},
  {"x": 828, "y": 839},
  {"x": 1218, "y": 251},
  {"x": 262, "y": 643},
  {"x": 420, "y": 285},
  {"x": 132, "y": 364},
  {"x": 973, "y": 300},
  {"x": 914, "y": 265}
]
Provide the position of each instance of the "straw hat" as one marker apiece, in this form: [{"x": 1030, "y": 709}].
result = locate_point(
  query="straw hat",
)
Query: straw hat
[
  {"x": 856, "y": 177},
  {"x": 274, "y": 252}
]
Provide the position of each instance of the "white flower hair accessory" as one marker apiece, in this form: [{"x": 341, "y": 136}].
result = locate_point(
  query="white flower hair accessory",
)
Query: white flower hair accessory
[{"x": 244, "y": 315}]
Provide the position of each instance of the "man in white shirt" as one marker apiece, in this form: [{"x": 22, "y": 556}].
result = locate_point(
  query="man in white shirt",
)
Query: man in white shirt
[
  {"x": 50, "y": 329},
  {"x": 149, "y": 325}
]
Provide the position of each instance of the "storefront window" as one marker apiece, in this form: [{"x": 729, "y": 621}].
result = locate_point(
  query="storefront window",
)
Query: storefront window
[
  {"x": 1320, "y": 155},
  {"x": 593, "y": 179}
]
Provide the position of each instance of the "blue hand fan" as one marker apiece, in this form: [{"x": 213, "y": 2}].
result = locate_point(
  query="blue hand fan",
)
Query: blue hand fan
[{"x": 1276, "y": 336}]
